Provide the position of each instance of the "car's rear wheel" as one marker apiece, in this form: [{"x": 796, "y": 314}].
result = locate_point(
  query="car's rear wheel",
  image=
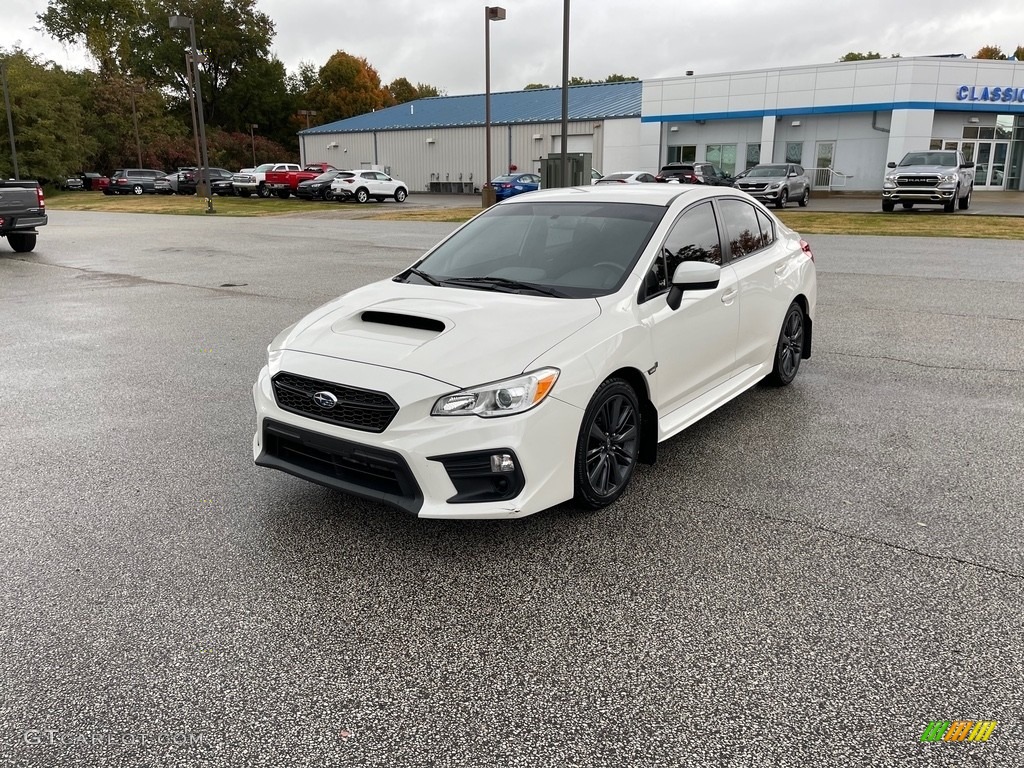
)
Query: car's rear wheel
[
  {"x": 965, "y": 202},
  {"x": 22, "y": 242},
  {"x": 137, "y": 189},
  {"x": 888, "y": 206},
  {"x": 608, "y": 445},
  {"x": 790, "y": 348},
  {"x": 284, "y": 194},
  {"x": 400, "y": 195},
  {"x": 362, "y": 195},
  {"x": 783, "y": 199},
  {"x": 907, "y": 206},
  {"x": 806, "y": 196}
]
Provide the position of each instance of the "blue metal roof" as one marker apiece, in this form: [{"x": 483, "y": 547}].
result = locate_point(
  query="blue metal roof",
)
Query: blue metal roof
[{"x": 586, "y": 102}]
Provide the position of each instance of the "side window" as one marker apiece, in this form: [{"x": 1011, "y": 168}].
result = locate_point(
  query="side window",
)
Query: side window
[
  {"x": 694, "y": 237},
  {"x": 767, "y": 228},
  {"x": 742, "y": 226}
]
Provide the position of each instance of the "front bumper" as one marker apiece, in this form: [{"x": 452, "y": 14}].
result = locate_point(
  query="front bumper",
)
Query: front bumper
[
  {"x": 919, "y": 194},
  {"x": 431, "y": 466}
]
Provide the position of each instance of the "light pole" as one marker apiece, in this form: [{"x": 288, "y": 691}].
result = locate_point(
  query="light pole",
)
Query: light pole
[
  {"x": 10, "y": 118},
  {"x": 308, "y": 114},
  {"x": 252, "y": 137},
  {"x": 565, "y": 95},
  {"x": 491, "y": 13},
  {"x": 187, "y": 22},
  {"x": 135, "y": 120}
]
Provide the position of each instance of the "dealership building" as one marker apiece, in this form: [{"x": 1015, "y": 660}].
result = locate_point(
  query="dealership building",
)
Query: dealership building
[{"x": 844, "y": 120}]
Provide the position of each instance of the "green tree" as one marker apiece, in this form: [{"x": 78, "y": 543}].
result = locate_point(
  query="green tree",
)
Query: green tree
[
  {"x": 107, "y": 28},
  {"x": 990, "y": 52},
  {"x": 535, "y": 87},
  {"x": 855, "y": 56},
  {"x": 48, "y": 118}
]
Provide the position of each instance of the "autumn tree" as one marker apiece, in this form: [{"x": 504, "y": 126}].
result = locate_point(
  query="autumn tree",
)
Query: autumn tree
[
  {"x": 990, "y": 52},
  {"x": 346, "y": 86},
  {"x": 870, "y": 55}
]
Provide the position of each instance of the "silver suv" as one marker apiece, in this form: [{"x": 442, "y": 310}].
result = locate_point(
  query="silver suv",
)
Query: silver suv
[
  {"x": 778, "y": 184},
  {"x": 133, "y": 181}
]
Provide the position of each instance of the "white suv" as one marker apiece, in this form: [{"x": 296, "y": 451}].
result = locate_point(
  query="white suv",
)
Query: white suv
[{"x": 362, "y": 185}]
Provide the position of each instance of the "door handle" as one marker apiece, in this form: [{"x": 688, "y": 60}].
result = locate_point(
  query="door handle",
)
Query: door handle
[
  {"x": 781, "y": 269},
  {"x": 728, "y": 296}
]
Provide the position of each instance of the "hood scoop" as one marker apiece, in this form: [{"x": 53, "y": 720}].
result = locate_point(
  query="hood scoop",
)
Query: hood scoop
[{"x": 401, "y": 320}]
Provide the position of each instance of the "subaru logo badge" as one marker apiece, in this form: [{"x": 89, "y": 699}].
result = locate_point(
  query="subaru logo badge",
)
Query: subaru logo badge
[{"x": 325, "y": 400}]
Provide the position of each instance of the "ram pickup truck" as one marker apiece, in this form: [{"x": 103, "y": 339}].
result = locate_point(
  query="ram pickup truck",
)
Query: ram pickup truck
[
  {"x": 22, "y": 209},
  {"x": 246, "y": 183},
  {"x": 932, "y": 177},
  {"x": 284, "y": 183}
]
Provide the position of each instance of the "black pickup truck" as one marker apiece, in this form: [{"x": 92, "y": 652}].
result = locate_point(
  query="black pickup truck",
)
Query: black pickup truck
[{"x": 22, "y": 209}]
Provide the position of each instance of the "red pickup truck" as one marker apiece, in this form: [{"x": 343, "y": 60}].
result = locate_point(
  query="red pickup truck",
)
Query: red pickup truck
[{"x": 284, "y": 183}]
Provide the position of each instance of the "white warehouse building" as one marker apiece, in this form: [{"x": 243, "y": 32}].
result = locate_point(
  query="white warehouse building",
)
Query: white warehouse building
[{"x": 846, "y": 120}]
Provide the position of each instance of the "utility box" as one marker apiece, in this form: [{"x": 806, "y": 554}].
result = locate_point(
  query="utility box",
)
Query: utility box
[{"x": 579, "y": 170}]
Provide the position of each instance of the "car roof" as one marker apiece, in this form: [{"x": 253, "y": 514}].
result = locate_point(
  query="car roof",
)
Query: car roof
[{"x": 648, "y": 194}]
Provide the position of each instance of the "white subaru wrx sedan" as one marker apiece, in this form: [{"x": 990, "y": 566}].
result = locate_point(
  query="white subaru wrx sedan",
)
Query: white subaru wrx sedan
[{"x": 540, "y": 351}]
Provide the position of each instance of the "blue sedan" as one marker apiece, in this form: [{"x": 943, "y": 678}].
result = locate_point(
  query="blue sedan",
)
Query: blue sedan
[{"x": 514, "y": 184}]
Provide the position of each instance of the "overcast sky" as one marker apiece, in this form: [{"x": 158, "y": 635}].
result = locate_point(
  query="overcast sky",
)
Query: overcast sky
[{"x": 441, "y": 42}]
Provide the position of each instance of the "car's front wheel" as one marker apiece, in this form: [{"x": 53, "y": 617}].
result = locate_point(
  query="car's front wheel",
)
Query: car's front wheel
[
  {"x": 951, "y": 205},
  {"x": 783, "y": 199},
  {"x": 400, "y": 195},
  {"x": 262, "y": 191},
  {"x": 608, "y": 445},
  {"x": 790, "y": 348},
  {"x": 888, "y": 206},
  {"x": 965, "y": 202},
  {"x": 806, "y": 196}
]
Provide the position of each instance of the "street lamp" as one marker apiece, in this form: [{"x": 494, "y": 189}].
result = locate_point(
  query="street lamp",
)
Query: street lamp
[
  {"x": 10, "y": 118},
  {"x": 565, "y": 95},
  {"x": 491, "y": 13},
  {"x": 308, "y": 114},
  {"x": 135, "y": 89},
  {"x": 252, "y": 137},
  {"x": 187, "y": 22}
]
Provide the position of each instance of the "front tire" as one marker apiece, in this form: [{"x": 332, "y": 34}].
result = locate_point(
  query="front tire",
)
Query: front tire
[
  {"x": 951, "y": 205},
  {"x": 806, "y": 196},
  {"x": 400, "y": 195},
  {"x": 965, "y": 202},
  {"x": 608, "y": 445},
  {"x": 789, "y": 350},
  {"x": 783, "y": 199},
  {"x": 888, "y": 206},
  {"x": 262, "y": 191},
  {"x": 22, "y": 242}
]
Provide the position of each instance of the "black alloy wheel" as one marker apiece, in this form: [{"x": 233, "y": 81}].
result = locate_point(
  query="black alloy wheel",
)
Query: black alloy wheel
[
  {"x": 790, "y": 348},
  {"x": 608, "y": 445}
]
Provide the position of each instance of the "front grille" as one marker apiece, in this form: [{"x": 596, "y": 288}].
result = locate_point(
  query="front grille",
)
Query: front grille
[
  {"x": 362, "y": 470},
  {"x": 917, "y": 181},
  {"x": 361, "y": 409},
  {"x": 753, "y": 187}
]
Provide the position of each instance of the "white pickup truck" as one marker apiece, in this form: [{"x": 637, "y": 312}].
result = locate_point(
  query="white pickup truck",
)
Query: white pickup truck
[
  {"x": 22, "y": 209},
  {"x": 254, "y": 181},
  {"x": 929, "y": 177}
]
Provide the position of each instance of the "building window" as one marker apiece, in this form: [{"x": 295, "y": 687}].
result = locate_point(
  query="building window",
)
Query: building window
[
  {"x": 753, "y": 156},
  {"x": 723, "y": 156},
  {"x": 794, "y": 152},
  {"x": 685, "y": 153}
]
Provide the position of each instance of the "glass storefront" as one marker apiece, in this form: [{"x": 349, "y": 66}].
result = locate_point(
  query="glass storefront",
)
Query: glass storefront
[{"x": 996, "y": 150}]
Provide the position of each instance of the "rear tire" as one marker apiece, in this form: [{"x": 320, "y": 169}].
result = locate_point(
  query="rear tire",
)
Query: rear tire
[
  {"x": 283, "y": 194},
  {"x": 608, "y": 445},
  {"x": 22, "y": 242},
  {"x": 789, "y": 350},
  {"x": 262, "y": 191},
  {"x": 362, "y": 196},
  {"x": 907, "y": 206},
  {"x": 137, "y": 189}
]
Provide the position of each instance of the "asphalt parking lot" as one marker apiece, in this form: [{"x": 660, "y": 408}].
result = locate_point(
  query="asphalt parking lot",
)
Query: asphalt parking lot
[{"x": 808, "y": 577}]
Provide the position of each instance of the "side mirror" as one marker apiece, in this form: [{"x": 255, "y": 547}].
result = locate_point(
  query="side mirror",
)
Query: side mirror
[
  {"x": 968, "y": 165},
  {"x": 692, "y": 276},
  {"x": 792, "y": 174},
  {"x": 891, "y": 164}
]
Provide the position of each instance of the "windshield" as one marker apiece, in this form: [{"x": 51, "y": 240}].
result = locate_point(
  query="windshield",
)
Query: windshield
[
  {"x": 263, "y": 168},
  {"x": 580, "y": 250},
  {"x": 766, "y": 171},
  {"x": 326, "y": 176},
  {"x": 943, "y": 159}
]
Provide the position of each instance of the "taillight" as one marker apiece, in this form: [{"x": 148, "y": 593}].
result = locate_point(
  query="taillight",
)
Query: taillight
[
  {"x": 806, "y": 248},
  {"x": 39, "y": 197}
]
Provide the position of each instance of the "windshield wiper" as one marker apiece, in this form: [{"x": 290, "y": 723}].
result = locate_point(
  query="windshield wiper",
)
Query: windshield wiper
[
  {"x": 423, "y": 276},
  {"x": 505, "y": 284}
]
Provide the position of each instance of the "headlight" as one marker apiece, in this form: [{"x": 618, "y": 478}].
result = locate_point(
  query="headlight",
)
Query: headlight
[
  {"x": 499, "y": 398},
  {"x": 890, "y": 179},
  {"x": 948, "y": 177},
  {"x": 775, "y": 185}
]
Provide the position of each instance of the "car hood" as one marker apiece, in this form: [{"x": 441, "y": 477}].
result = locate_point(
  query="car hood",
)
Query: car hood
[
  {"x": 461, "y": 337},
  {"x": 941, "y": 169}
]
